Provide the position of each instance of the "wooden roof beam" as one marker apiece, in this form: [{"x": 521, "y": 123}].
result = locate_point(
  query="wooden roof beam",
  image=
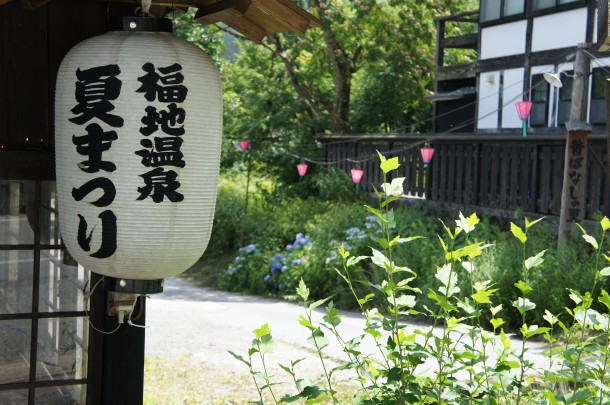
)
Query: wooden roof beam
[
  {"x": 282, "y": 14},
  {"x": 222, "y": 10}
]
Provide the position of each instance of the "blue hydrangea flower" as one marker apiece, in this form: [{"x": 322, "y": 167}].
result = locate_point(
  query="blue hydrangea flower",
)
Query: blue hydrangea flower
[
  {"x": 267, "y": 277},
  {"x": 284, "y": 269},
  {"x": 296, "y": 262},
  {"x": 234, "y": 270},
  {"x": 289, "y": 247},
  {"x": 238, "y": 259}
]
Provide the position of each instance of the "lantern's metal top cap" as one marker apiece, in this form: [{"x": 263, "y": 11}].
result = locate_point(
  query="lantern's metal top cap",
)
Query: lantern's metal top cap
[{"x": 142, "y": 24}]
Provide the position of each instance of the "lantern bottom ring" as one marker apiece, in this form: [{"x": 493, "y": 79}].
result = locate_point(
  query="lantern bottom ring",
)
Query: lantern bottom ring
[{"x": 122, "y": 285}]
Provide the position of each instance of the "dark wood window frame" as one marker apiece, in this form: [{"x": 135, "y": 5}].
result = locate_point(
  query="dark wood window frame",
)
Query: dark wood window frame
[{"x": 36, "y": 168}]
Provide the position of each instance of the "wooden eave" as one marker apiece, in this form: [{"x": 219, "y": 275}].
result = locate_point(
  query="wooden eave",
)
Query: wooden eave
[{"x": 255, "y": 19}]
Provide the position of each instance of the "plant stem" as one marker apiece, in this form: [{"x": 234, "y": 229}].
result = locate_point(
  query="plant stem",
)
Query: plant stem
[
  {"x": 524, "y": 337},
  {"x": 267, "y": 380},
  {"x": 319, "y": 350},
  {"x": 395, "y": 328},
  {"x": 584, "y": 326}
]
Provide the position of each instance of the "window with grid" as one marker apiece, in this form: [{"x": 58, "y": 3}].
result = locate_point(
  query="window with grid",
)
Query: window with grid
[
  {"x": 540, "y": 101},
  {"x": 555, "y": 4},
  {"x": 565, "y": 98},
  {"x": 598, "y": 96},
  {"x": 43, "y": 326},
  {"x": 492, "y": 10}
]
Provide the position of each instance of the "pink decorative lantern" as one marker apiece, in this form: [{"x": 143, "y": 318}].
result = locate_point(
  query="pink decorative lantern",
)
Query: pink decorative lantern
[
  {"x": 357, "y": 178},
  {"x": 243, "y": 145},
  {"x": 523, "y": 109},
  {"x": 426, "y": 154},
  {"x": 302, "y": 168}
]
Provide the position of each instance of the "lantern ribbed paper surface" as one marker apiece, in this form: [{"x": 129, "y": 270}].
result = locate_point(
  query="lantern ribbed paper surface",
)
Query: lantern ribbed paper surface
[{"x": 138, "y": 126}]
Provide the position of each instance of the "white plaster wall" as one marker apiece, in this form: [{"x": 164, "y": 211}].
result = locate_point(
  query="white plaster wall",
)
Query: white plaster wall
[
  {"x": 512, "y": 91},
  {"x": 560, "y": 30},
  {"x": 489, "y": 96},
  {"x": 503, "y": 40}
]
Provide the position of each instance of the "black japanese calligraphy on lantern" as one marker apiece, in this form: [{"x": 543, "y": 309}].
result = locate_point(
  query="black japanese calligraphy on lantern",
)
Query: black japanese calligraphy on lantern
[
  {"x": 95, "y": 89},
  {"x": 170, "y": 120},
  {"x": 93, "y": 145},
  {"x": 160, "y": 184},
  {"x": 109, "y": 230},
  {"x": 165, "y": 86},
  {"x": 164, "y": 152},
  {"x": 162, "y": 85}
]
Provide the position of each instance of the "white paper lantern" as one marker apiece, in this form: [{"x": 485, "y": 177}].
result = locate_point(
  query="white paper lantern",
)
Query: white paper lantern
[{"x": 138, "y": 127}]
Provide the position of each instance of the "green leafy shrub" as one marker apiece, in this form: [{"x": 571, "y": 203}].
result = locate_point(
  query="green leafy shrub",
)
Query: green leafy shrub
[{"x": 455, "y": 360}]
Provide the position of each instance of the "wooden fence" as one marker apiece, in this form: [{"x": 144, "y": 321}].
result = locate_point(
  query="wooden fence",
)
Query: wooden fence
[{"x": 500, "y": 172}]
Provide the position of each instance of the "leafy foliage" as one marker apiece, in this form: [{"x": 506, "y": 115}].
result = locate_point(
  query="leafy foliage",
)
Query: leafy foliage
[{"x": 461, "y": 361}]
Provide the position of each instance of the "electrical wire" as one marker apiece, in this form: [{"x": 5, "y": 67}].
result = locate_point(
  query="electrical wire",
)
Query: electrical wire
[{"x": 87, "y": 297}]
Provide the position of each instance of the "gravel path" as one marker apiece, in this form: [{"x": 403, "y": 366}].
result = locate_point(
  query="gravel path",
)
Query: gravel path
[
  {"x": 186, "y": 319},
  {"x": 204, "y": 324}
]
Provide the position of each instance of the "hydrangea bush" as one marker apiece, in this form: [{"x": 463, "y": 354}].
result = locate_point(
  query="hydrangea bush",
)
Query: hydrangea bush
[{"x": 456, "y": 359}]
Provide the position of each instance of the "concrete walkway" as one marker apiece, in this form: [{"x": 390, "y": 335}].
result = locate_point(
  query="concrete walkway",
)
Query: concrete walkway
[{"x": 186, "y": 319}]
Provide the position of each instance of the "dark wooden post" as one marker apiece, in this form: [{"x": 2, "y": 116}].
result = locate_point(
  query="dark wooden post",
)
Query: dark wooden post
[
  {"x": 575, "y": 162},
  {"x": 116, "y": 360}
]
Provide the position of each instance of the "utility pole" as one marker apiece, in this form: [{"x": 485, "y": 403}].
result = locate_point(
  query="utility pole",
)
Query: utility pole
[{"x": 575, "y": 162}]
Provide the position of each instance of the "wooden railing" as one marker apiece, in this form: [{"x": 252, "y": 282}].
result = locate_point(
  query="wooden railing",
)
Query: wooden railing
[{"x": 501, "y": 172}]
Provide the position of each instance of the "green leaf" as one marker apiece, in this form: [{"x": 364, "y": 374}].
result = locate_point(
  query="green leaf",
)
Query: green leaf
[
  {"x": 305, "y": 322},
  {"x": 302, "y": 290},
  {"x": 452, "y": 236},
  {"x": 482, "y": 296},
  {"x": 344, "y": 253},
  {"x": 366, "y": 299},
  {"x": 441, "y": 301},
  {"x": 523, "y": 305},
  {"x": 240, "y": 358},
  {"x": 496, "y": 322},
  {"x": 318, "y": 340},
  {"x": 449, "y": 280},
  {"x": 333, "y": 317},
  {"x": 549, "y": 317},
  {"x": 387, "y": 165},
  {"x": 390, "y": 220},
  {"x": 605, "y": 272},
  {"x": 318, "y": 303},
  {"x": 409, "y": 239},
  {"x": 442, "y": 243},
  {"x": 591, "y": 240},
  {"x": 403, "y": 301},
  {"x": 354, "y": 260},
  {"x": 605, "y": 223},
  {"x": 389, "y": 201},
  {"x": 518, "y": 232},
  {"x": 604, "y": 298},
  {"x": 465, "y": 251},
  {"x": 377, "y": 213},
  {"x": 534, "y": 261},
  {"x": 523, "y": 287},
  {"x": 264, "y": 330},
  {"x": 529, "y": 331},
  {"x": 379, "y": 259},
  {"x": 395, "y": 187},
  {"x": 467, "y": 224},
  {"x": 529, "y": 224}
]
